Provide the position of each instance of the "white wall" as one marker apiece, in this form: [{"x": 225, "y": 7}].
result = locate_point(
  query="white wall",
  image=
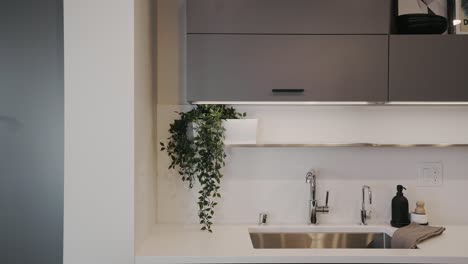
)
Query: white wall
[
  {"x": 171, "y": 52},
  {"x": 273, "y": 179},
  {"x": 145, "y": 101},
  {"x": 99, "y": 149}
]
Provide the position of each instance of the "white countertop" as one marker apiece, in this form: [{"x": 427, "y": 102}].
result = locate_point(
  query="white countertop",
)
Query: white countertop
[{"x": 232, "y": 244}]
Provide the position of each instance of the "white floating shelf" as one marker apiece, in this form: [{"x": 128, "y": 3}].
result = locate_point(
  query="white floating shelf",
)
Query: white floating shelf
[{"x": 346, "y": 145}]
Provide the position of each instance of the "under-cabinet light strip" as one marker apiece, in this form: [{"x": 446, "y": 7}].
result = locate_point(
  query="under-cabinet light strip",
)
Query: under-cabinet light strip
[
  {"x": 282, "y": 103},
  {"x": 426, "y": 103},
  {"x": 348, "y": 145},
  {"x": 325, "y": 103}
]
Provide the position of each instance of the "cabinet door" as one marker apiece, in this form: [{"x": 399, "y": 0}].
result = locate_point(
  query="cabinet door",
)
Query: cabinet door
[
  {"x": 261, "y": 67},
  {"x": 428, "y": 68},
  {"x": 31, "y": 132},
  {"x": 289, "y": 16}
]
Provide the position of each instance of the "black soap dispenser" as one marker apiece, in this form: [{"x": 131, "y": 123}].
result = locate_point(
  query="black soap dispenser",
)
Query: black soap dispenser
[{"x": 400, "y": 210}]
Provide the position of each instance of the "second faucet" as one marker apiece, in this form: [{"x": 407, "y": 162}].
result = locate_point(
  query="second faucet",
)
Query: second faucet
[{"x": 364, "y": 214}]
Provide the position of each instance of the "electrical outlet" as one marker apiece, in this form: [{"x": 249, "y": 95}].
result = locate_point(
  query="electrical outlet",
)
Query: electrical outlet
[{"x": 430, "y": 174}]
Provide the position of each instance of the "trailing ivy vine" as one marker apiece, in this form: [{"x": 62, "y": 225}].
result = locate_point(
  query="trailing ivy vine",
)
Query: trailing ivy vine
[{"x": 199, "y": 156}]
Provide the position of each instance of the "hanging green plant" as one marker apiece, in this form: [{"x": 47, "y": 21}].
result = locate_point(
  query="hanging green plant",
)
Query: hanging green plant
[{"x": 199, "y": 156}]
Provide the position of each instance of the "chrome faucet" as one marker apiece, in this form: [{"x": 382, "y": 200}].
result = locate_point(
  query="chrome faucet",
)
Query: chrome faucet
[
  {"x": 364, "y": 214},
  {"x": 314, "y": 208},
  {"x": 262, "y": 219}
]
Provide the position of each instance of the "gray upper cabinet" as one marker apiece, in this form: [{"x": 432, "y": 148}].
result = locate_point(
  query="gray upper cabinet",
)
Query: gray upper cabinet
[
  {"x": 287, "y": 67},
  {"x": 289, "y": 16},
  {"x": 428, "y": 68}
]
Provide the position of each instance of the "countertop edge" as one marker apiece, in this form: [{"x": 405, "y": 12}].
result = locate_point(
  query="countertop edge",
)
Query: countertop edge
[
  {"x": 298, "y": 259},
  {"x": 231, "y": 244}
]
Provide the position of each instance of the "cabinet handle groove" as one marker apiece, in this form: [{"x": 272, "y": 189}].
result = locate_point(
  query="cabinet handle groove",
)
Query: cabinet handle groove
[{"x": 287, "y": 90}]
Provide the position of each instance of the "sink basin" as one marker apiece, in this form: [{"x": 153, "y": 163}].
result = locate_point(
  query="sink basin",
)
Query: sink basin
[{"x": 263, "y": 240}]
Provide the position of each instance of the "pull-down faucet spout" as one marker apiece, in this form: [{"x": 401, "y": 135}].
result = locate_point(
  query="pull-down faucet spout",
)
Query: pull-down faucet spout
[{"x": 314, "y": 208}]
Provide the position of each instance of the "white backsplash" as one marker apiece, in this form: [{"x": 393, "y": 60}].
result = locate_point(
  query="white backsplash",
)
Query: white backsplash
[{"x": 273, "y": 179}]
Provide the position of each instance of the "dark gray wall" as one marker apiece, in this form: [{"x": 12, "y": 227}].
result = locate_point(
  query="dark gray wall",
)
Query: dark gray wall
[{"x": 31, "y": 131}]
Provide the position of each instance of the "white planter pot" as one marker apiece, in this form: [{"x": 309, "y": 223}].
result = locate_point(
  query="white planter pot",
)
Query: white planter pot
[
  {"x": 241, "y": 131},
  {"x": 238, "y": 131}
]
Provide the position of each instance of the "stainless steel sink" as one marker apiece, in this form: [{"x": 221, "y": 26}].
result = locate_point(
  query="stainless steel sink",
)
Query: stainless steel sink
[{"x": 320, "y": 240}]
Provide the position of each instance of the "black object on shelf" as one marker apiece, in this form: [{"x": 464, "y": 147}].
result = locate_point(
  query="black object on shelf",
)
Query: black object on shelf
[{"x": 421, "y": 24}]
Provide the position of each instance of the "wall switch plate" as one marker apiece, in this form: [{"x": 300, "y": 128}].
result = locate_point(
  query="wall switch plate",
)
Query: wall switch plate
[{"x": 430, "y": 174}]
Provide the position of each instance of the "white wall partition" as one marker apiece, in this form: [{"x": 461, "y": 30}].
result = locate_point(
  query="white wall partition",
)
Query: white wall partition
[{"x": 99, "y": 127}]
